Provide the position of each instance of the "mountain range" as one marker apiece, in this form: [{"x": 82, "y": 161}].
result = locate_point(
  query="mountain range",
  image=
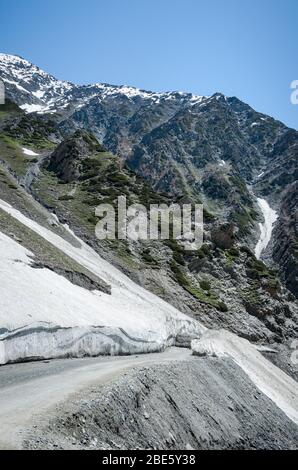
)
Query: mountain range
[
  {"x": 164, "y": 147},
  {"x": 65, "y": 149}
]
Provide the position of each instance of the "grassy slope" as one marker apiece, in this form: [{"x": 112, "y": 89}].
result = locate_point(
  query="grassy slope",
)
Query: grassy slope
[
  {"x": 19, "y": 130},
  {"x": 102, "y": 179},
  {"x": 44, "y": 252}
]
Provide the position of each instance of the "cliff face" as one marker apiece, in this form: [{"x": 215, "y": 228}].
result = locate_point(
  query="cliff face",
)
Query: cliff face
[
  {"x": 70, "y": 158},
  {"x": 285, "y": 238}
]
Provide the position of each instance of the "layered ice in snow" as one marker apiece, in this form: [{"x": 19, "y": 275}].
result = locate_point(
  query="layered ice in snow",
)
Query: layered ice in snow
[{"x": 45, "y": 315}]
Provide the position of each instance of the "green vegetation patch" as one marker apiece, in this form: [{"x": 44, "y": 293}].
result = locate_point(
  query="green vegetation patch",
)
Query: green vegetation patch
[
  {"x": 147, "y": 257},
  {"x": 12, "y": 154},
  {"x": 198, "y": 293},
  {"x": 204, "y": 252},
  {"x": 231, "y": 255},
  {"x": 178, "y": 251},
  {"x": 244, "y": 219}
]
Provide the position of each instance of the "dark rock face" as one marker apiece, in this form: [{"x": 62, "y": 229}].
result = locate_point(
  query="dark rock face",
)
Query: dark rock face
[
  {"x": 282, "y": 169},
  {"x": 209, "y": 150},
  {"x": 68, "y": 159},
  {"x": 203, "y": 134},
  {"x": 223, "y": 236},
  {"x": 285, "y": 238}
]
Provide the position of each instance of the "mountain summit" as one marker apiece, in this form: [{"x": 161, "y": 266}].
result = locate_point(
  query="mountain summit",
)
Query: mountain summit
[{"x": 37, "y": 91}]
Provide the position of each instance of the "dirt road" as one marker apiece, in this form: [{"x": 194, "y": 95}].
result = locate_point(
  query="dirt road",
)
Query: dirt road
[{"x": 30, "y": 390}]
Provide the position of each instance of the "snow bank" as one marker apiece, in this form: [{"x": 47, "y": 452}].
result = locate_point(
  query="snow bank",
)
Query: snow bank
[
  {"x": 270, "y": 216},
  {"x": 33, "y": 108},
  {"x": 268, "y": 378},
  {"x": 44, "y": 315},
  {"x": 29, "y": 152}
]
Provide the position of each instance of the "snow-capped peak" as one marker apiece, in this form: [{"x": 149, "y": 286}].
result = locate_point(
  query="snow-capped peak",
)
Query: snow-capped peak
[
  {"x": 13, "y": 59},
  {"x": 134, "y": 93},
  {"x": 31, "y": 87},
  {"x": 37, "y": 91},
  {"x": 25, "y": 70}
]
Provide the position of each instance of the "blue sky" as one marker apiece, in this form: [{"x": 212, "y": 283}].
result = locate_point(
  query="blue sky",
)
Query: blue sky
[{"x": 243, "y": 48}]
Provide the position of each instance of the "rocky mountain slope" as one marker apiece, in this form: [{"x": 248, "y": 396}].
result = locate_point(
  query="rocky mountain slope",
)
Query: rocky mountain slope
[
  {"x": 170, "y": 147},
  {"x": 285, "y": 242},
  {"x": 222, "y": 284},
  {"x": 203, "y": 403},
  {"x": 216, "y": 149},
  {"x": 60, "y": 298},
  {"x": 65, "y": 149}
]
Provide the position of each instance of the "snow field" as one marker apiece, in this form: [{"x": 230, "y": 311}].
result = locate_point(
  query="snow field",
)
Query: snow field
[{"x": 40, "y": 307}]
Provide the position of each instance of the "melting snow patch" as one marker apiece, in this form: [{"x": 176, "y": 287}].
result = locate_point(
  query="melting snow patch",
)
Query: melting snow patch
[
  {"x": 33, "y": 108},
  {"x": 29, "y": 152},
  {"x": 270, "y": 216},
  {"x": 268, "y": 378},
  {"x": 38, "y": 93}
]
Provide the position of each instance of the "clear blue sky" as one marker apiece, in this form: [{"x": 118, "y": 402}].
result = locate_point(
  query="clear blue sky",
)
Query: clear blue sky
[{"x": 244, "y": 48}]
